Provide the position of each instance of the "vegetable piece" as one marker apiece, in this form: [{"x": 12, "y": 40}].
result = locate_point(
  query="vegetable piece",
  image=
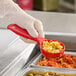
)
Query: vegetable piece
[{"x": 74, "y": 58}]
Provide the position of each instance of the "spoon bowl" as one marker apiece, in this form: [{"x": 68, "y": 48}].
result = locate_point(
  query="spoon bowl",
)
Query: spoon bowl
[{"x": 53, "y": 55}]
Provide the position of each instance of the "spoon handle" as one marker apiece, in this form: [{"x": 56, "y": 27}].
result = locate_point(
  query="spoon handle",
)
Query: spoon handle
[{"x": 21, "y": 32}]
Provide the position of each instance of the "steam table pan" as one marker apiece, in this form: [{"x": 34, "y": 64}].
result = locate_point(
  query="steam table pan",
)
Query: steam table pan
[
  {"x": 39, "y": 71},
  {"x": 37, "y": 58}
]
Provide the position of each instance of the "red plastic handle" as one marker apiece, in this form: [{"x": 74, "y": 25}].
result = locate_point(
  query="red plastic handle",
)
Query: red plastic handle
[{"x": 21, "y": 32}]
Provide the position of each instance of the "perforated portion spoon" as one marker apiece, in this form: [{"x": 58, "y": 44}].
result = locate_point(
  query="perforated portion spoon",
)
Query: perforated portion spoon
[{"x": 22, "y": 32}]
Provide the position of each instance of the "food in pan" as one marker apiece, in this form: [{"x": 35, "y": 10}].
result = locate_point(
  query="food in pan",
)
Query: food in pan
[
  {"x": 66, "y": 61},
  {"x": 43, "y": 73},
  {"x": 52, "y": 46}
]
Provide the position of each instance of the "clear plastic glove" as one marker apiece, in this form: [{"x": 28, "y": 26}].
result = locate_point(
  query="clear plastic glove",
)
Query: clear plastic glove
[{"x": 13, "y": 12}]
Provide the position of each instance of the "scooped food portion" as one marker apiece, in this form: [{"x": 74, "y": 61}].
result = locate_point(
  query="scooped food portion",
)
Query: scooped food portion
[
  {"x": 52, "y": 46},
  {"x": 66, "y": 61},
  {"x": 45, "y": 73}
]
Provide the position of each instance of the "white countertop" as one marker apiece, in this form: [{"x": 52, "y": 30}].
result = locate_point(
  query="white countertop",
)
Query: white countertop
[
  {"x": 6, "y": 37},
  {"x": 11, "y": 49}
]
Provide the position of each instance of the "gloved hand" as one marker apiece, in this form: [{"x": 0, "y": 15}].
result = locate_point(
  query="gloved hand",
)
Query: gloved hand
[{"x": 12, "y": 11}]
